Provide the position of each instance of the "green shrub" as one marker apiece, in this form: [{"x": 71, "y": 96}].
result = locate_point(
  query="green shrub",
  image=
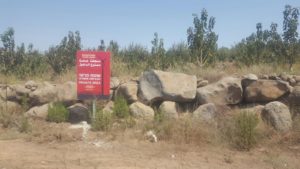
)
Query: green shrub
[
  {"x": 121, "y": 109},
  {"x": 102, "y": 122},
  {"x": 245, "y": 130},
  {"x": 159, "y": 116},
  {"x": 24, "y": 126},
  {"x": 57, "y": 112}
]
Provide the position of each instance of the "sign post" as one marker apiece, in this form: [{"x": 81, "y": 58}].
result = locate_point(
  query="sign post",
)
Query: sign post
[{"x": 93, "y": 76}]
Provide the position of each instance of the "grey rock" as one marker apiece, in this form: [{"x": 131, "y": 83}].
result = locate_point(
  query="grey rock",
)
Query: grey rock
[
  {"x": 128, "y": 91},
  {"x": 78, "y": 113},
  {"x": 202, "y": 83},
  {"x": 44, "y": 94},
  {"x": 206, "y": 112},
  {"x": 278, "y": 116},
  {"x": 141, "y": 111},
  {"x": 157, "y": 85},
  {"x": 226, "y": 91},
  {"x": 265, "y": 90},
  {"x": 114, "y": 83},
  {"x": 169, "y": 110},
  {"x": 40, "y": 112}
]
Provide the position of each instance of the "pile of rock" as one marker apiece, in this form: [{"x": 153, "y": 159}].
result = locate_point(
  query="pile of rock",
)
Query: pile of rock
[{"x": 171, "y": 94}]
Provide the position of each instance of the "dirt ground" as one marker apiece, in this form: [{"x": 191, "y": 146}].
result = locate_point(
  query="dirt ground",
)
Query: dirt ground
[{"x": 138, "y": 154}]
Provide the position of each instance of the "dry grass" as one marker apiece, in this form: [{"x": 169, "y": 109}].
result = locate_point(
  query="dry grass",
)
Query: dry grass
[
  {"x": 44, "y": 132},
  {"x": 124, "y": 71}
]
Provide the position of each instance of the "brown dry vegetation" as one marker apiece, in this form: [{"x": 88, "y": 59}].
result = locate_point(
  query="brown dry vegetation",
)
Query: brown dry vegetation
[
  {"x": 121, "y": 70},
  {"x": 183, "y": 143}
]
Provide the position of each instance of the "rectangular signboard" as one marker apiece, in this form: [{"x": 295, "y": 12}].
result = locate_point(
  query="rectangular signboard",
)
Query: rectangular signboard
[{"x": 93, "y": 75}]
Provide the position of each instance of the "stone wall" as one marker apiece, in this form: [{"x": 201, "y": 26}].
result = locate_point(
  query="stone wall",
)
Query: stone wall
[{"x": 173, "y": 94}]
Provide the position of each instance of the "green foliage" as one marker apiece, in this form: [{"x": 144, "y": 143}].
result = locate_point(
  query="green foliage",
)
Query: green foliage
[
  {"x": 121, "y": 109},
  {"x": 133, "y": 55},
  {"x": 178, "y": 54},
  {"x": 57, "y": 112},
  {"x": 268, "y": 46},
  {"x": 245, "y": 132},
  {"x": 202, "y": 40},
  {"x": 290, "y": 34},
  {"x": 62, "y": 57},
  {"x": 103, "y": 121},
  {"x": 7, "y": 56},
  {"x": 18, "y": 60},
  {"x": 24, "y": 126},
  {"x": 113, "y": 48},
  {"x": 158, "y": 58},
  {"x": 159, "y": 116}
]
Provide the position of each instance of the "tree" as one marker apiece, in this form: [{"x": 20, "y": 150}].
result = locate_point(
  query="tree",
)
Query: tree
[
  {"x": 113, "y": 47},
  {"x": 290, "y": 34},
  {"x": 102, "y": 46},
  {"x": 178, "y": 53},
  {"x": 274, "y": 45},
  {"x": 8, "y": 53},
  {"x": 202, "y": 40},
  {"x": 158, "y": 53},
  {"x": 62, "y": 56}
]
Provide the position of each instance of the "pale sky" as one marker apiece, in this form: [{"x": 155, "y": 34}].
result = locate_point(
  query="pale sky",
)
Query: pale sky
[{"x": 46, "y": 22}]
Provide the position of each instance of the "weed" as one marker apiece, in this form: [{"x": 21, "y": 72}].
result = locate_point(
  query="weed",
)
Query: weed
[
  {"x": 245, "y": 130},
  {"x": 57, "y": 112},
  {"x": 25, "y": 126},
  {"x": 24, "y": 102},
  {"x": 6, "y": 119},
  {"x": 103, "y": 121},
  {"x": 159, "y": 116},
  {"x": 121, "y": 109}
]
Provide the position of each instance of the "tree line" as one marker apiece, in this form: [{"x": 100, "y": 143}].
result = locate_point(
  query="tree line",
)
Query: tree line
[{"x": 265, "y": 46}]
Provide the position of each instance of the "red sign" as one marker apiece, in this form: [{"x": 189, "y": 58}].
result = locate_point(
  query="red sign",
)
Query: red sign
[{"x": 93, "y": 75}]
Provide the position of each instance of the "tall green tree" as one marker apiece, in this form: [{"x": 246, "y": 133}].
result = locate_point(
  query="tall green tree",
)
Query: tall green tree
[
  {"x": 290, "y": 34},
  {"x": 63, "y": 56},
  {"x": 113, "y": 47},
  {"x": 202, "y": 40},
  {"x": 102, "y": 46},
  {"x": 158, "y": 59},
  {"x": 7, "y": 59},
  {"x": 274, "y": 45}
]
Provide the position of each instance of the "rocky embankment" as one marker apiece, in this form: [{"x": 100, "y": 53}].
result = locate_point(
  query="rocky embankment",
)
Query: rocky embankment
[{"x": 276, "y": 99}]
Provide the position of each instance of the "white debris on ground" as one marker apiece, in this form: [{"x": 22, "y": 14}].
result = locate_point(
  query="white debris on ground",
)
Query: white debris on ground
[
  {"x": 151, "y": 136},
  {"x": 101, "y": 144},
  {"x": 85, "y": 128}
]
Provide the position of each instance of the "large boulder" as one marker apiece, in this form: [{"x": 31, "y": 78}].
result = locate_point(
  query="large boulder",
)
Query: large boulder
[
  {"x": 114, "y": 83},
  {"x": 77, "y": 113},
  {"x": 169, "y": 110},
  {"x": 10, "y": 107},
  {"x": 156, "y": 85},
  {"x": 128, "y": 91},
  {"x": 109, "y": 107},
  {"x": 31, "y": 85},
  {"x": 278, "y": 116},
  {"x": 294, "y": 101},
  {"x": 39, "y": 112},
  {"x": 8, "y": 93},
  {"x": 248, "y": 79},
  {"x": 44, "y": 94},
  {"x": 227, "y": 91},
  {"x": 265, "y": 90},
  {"x": 67, "y": 93},
  {"x": 206, "y": 112},
  {"x": 141, "y": 111}
]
